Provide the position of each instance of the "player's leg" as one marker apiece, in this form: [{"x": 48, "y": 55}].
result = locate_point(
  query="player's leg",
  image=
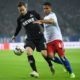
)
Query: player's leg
[
  {"x": 51, "y": 53},
  {"x": 40, "y": 47},
  {"x": 29, "y": 48},
  {"x": 67, "y": 66},
  {"x": 44, "y": 54},
  {"x": 60, "y": 51},
  {"x": 57, "y": 60},
  {"x": 48, "y": 60}
]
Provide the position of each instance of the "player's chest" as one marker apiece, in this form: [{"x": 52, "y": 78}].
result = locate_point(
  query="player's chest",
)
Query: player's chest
[{"x": 27, "y": 20}]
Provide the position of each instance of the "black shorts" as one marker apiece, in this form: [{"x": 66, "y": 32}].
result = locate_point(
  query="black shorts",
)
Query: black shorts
[{"x": 39, "y": 44}]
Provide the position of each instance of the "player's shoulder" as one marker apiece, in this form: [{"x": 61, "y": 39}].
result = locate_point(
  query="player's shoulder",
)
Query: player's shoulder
[{"x": 52, "y": 14}]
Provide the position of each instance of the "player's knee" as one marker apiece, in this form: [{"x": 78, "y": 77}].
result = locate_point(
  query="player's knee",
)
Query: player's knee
[
  {"x": 51, "y": 55},
  {"x": 63, "y": 58},
  {"x": 29, "y": 51},
  {"x": 44, "y": 53}
]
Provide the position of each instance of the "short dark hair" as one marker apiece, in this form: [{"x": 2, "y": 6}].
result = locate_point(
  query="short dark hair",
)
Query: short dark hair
[
  {"x": 22, "y": 4},
  {"x": 47, "y": 3}
]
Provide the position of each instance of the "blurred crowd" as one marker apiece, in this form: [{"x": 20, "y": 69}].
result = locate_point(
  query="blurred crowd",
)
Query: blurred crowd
[{"x": 67, "y": 11}]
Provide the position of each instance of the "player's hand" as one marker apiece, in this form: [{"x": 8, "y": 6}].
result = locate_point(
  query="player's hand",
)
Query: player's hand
[
  {"x": 13, "y": 38},
  {"x": 37, "y": 22}
]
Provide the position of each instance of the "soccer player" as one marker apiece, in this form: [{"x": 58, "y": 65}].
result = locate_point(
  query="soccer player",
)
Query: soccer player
[
  {"x": 35, "y": 36},
  {"x": 53, "y": 36}
]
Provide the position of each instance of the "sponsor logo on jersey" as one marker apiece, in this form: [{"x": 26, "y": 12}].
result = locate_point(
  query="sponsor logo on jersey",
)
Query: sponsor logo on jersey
[{"x": 28, "y": 21}]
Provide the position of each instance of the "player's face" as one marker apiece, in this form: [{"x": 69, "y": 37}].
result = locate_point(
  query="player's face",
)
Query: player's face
[
  {"x": 22, "y": 10},
  {"x": 47, "y": 9}
]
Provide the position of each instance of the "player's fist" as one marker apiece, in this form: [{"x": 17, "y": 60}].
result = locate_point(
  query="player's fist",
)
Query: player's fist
[
  {"x": 37, "y": 22},
  {"x": 13, "y": 38}
]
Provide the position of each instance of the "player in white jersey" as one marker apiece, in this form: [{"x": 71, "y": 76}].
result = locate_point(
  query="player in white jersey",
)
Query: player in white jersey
[{"x": 54, "y": 37}]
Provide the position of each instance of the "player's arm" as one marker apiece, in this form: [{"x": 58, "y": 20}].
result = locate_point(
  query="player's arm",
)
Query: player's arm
[
  {"x": 51, "y": 20},
  {"x": 48, "y": 21},
  {"x": 18, "y": 28}
]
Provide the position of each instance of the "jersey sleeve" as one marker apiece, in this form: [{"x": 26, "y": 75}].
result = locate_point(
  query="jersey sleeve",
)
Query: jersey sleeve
[
  {"x": 18, "y": 28},
  {"x": 52, "y": 16}
]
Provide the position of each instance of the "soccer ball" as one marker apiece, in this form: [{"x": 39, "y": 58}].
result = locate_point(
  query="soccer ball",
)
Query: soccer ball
[{"x": 18, "y": 51}]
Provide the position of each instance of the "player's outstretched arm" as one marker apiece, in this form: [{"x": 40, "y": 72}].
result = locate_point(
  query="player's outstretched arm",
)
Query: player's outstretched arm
[
  {"x": 18, "y": 28},
  {"x": 48, "y": 21}
]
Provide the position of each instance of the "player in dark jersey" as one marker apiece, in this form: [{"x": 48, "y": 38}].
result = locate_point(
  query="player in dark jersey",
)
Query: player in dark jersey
[{"x": 35, "y": 37}]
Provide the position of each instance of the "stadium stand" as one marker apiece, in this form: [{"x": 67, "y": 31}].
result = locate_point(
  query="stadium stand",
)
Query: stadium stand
[{"x": 68, "y": 12}]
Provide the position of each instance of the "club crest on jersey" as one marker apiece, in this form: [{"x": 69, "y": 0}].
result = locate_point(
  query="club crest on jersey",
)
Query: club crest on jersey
[{"x": 28, "y": 21}]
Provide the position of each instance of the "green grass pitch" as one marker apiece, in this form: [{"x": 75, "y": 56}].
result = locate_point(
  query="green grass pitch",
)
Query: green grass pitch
[{"x": 14, "y": 67}]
